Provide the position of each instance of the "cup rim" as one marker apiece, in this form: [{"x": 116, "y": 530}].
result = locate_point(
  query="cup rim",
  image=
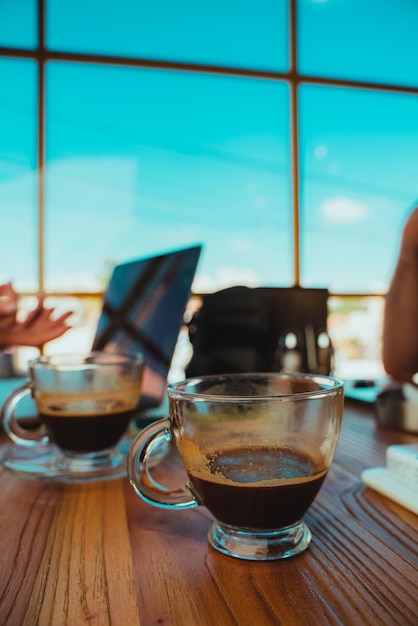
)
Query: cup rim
[
  {"x": 117, "y": 357},
  {"x": 330, "y": 385}
]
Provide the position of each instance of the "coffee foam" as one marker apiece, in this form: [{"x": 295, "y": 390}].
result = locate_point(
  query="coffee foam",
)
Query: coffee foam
[
  {"x": 198, "y": 464},
  {"x": 90, "y": 404}
]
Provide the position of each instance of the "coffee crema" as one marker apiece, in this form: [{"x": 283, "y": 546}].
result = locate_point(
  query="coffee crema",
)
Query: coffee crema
[{"x": 262, "y": 488}]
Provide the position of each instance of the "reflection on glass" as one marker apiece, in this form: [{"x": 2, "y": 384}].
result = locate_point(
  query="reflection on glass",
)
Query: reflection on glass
[
  {"x": 245, "y": 34},
  {"x": 142, "y": 161},
  {"x": 359, "y": 151},
  {"x": 18, "y": 184}
]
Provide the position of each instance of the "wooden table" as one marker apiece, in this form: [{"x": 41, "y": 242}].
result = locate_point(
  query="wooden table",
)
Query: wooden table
[{"x": 96, "y": 554}]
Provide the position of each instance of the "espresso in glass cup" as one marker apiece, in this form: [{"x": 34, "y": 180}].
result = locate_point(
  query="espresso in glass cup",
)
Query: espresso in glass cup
[
  {"x": 85, "y": 403},
  {"x": 256, "y": 448}
]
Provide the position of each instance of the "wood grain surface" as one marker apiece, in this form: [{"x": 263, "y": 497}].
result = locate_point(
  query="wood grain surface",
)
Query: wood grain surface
[{"x": 96, "y": 554}]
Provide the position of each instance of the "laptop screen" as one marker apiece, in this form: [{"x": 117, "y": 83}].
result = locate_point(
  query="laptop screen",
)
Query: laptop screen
[{"x": 143, "y": 311}]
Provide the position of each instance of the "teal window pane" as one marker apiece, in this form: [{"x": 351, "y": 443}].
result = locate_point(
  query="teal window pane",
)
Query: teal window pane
[
  {"x": 359, "y": 151},
  {"x": 142, "y": 161},
  {"x": 244, "y": 34},
  {"x": 18, "y": 181},
  {"x": 18, "y": 24},
  {"x": 366, "y": 40}
]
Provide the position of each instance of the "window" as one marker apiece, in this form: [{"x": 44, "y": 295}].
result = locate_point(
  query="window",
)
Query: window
[
  {"x": 358, "y": 152},
  {"x": 18, "y": 180},
  {"x": 282, "y": 136},
  {"x": 179, "y": 158}
]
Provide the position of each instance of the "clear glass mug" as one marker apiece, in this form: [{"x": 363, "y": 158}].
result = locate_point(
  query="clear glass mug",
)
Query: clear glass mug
[
  {"x": 84, "y": 402},
  {"x": 256, "y": 448}
]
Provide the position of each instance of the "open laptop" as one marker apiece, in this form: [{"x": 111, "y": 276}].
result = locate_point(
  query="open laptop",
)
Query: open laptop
[{"x": 143, "y": 311}]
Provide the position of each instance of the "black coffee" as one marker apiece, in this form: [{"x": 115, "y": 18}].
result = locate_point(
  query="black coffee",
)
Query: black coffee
[
  {"x": 87, "y": 422},
  {"x": 87, "y": 434},
  {"x": 258, "y": 488}
]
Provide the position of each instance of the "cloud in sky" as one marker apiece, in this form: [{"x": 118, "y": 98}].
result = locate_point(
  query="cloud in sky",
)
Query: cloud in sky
[
  {"x": 226, "y": 276},
  {"x": 241, "y": 245},
  {"x": 320, "y": 152},
  {"x": 342, "y": 210}
]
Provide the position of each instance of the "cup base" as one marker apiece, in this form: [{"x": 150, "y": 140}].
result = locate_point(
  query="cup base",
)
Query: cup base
[
  {"x": 260, "y": 546},
  {"x": 91, "y": 463},
  {"x": 48, "y": 463}
]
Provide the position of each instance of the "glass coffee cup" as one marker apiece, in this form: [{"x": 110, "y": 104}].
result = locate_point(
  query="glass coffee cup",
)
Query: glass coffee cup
[
  {"x": 256, "y": 448},
  {"x": 85, "y": 403}
]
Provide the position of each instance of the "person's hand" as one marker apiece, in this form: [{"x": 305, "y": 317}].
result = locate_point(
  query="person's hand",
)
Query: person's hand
[
  {"x": 39, "y": 327},
  {"x": 8, "y": 304}
]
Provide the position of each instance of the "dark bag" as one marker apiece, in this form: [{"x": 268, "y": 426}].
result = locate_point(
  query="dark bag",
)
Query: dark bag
[
  {"x": 241, "y": 329},
  {"x": 231, "y": 333}
]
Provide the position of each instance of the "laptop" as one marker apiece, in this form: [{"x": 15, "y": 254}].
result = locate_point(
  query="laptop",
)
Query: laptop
[{"x": 143, "y": 311}]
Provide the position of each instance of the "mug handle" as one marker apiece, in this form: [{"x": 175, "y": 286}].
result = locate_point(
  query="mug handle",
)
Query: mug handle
[
  {"x": 21, "y": 436},
  {"x": 138, "y": 468}
]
